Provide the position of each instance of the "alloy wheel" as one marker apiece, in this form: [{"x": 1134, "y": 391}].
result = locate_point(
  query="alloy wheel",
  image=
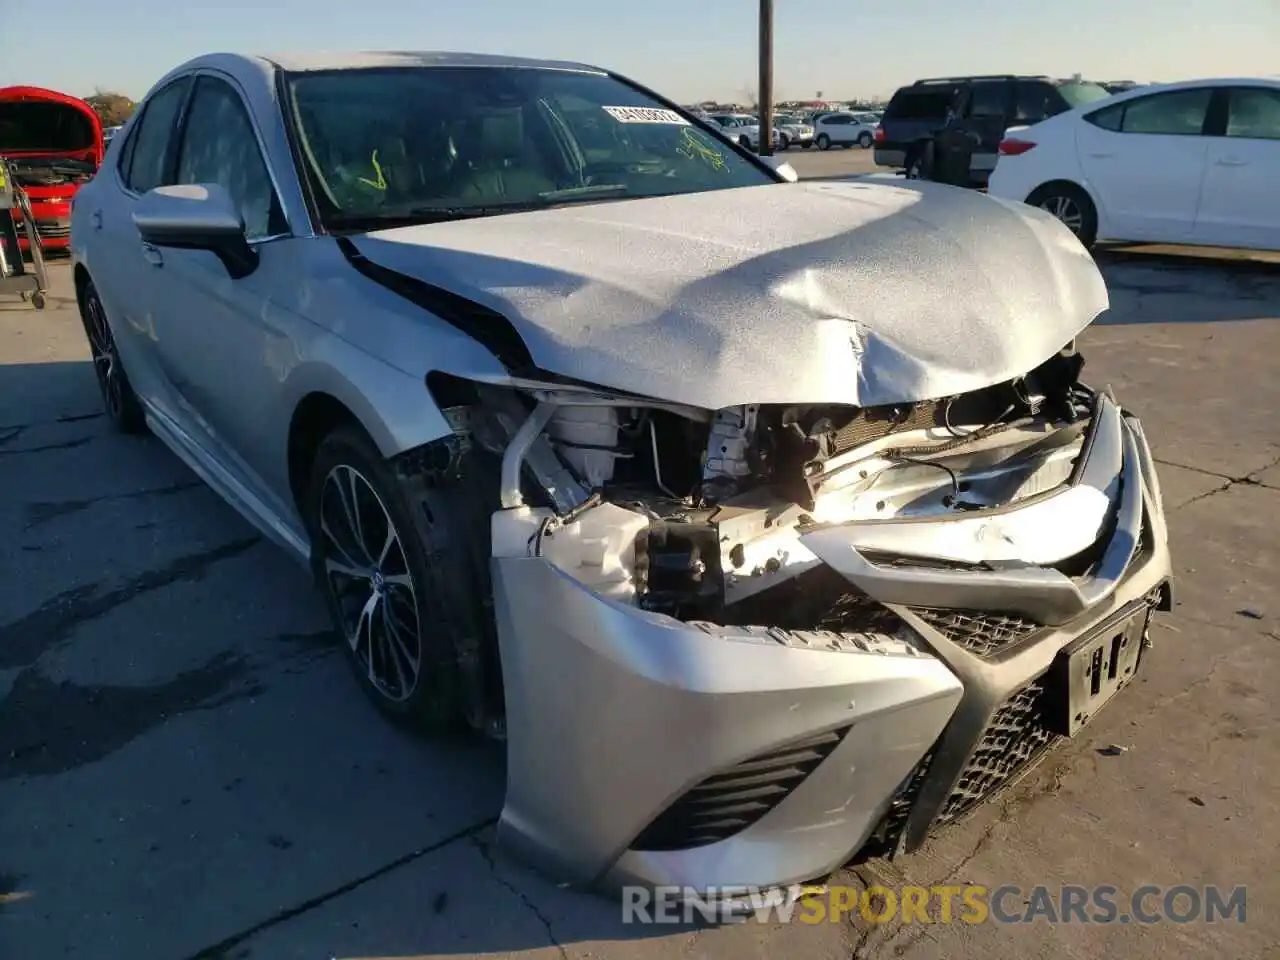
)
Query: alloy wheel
[
  {"x": 106, "y": 361},
  {"x": 1065, "y": 209},
  {"x": 366, "y": 570}
]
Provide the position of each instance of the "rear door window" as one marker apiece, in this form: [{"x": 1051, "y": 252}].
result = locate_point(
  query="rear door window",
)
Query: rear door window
[
  {"x": 989, "y": 100},
  {"x": 1033, "y": 102},
  {"x": 1175, "y": 113}
]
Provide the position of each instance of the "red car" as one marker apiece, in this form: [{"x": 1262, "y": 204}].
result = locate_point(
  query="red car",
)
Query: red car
[{"x": 53, "y": 143}]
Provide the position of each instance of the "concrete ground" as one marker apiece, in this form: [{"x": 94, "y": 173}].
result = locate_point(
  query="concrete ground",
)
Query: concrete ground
[{"x": 187, "y": 770}]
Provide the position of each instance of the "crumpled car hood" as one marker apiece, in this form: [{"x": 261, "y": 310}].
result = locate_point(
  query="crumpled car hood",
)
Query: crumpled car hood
[{"x": 857, "y": 293}]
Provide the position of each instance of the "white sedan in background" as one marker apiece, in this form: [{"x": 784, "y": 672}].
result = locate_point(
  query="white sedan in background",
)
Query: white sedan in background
[{"x": 1195, "y": 162}]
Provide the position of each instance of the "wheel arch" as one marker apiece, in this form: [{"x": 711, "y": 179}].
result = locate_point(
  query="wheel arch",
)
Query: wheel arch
[
  {"x": 323, "y": 402},
  {"x": 80, "y": 277}
]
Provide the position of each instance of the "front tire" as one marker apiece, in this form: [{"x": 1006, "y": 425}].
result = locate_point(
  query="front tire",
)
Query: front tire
[
  {"x": 395, "y": 558},
  {"x": 784, "y": 142},
  {"x": 123, "y": 408},
  {"x": 823, "y": 141},
  {"x": 1072, "y": 206},
  {"x": 744, "y": 143}
]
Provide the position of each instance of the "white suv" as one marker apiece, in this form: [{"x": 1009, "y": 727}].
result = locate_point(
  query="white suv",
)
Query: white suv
[{"x": 844, "y": 130}]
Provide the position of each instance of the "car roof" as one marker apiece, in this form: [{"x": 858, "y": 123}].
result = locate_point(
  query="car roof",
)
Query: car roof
[
  {"x": 353, "y": 60},
  {"x": 263, "y": 66}
]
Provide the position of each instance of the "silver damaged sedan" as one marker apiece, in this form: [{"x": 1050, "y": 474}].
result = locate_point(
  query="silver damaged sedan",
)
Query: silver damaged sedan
[{"x": 769, "y": 522}]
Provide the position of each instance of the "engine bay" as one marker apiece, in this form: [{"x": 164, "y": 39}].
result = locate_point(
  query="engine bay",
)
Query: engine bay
[{"x": 699, "y": 515}]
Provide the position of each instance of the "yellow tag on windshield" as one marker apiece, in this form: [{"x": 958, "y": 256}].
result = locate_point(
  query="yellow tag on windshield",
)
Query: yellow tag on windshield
[{"x": 381, "y": 182}]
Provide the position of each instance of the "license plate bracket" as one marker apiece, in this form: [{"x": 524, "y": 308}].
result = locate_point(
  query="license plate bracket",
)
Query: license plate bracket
[{"x": 1088, "y": 672}]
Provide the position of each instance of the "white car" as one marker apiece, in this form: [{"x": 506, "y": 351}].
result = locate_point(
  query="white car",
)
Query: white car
[
  {"x": 744, "y": 128},
  {"x": 843, "y": 130},
  {"x": 1195, "y": 162}
]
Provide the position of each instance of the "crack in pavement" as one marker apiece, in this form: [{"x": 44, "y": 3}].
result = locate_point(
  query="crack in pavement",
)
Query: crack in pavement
[
  {"x": 220, "y": 950},
  {"x": 25, "y": 640},
  {"x": 44, "y": 511},
  {"x": 66, "y": 418},
  {"x": 1250, "y": 480},
  {"x": 487, "y": 854},
  {"x": 65, "y": 445}
]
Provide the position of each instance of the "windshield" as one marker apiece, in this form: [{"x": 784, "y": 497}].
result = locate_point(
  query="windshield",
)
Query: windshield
[
  {"x": 1078, "y": 94},
  {"x": 439, "y": 143}
]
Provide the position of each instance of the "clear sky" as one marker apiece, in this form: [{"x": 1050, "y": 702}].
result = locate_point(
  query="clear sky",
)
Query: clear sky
[{"x": 687, "y": 49}]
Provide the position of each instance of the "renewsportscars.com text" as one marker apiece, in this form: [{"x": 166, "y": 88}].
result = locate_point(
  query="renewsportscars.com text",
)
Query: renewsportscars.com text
[{"x": 948, "y": 903}]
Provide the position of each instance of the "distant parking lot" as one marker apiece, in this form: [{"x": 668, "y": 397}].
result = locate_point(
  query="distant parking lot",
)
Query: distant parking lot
[{"x": 188, "y": 771}]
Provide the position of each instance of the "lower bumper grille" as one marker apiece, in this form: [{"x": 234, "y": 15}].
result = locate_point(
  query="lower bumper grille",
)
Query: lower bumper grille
[
  {"x": 727, "y": 803},
  {"x": 53, "y": 229},
  {"x": 1014, "y": 739}
]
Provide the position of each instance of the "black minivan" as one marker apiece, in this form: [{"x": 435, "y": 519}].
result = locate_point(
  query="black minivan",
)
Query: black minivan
[{"x": 975, "y": 109}]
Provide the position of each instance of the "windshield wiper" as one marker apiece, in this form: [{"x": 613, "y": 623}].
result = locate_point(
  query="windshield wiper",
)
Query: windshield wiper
[
  {"x": 416, "y": 215},
  {"x": 585, "y": 192}
]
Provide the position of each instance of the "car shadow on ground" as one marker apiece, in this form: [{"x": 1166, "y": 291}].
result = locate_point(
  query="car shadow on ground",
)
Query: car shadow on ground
[
  {"x": 1190, "y": 285},
  {"x": 189, "y": 768}
]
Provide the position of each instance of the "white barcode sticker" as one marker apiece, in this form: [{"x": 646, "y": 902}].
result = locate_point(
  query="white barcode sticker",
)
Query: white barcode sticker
[{"x": 645, "y": 115}]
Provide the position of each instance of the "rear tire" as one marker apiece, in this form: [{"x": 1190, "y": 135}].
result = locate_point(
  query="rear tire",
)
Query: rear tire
[
  {"x": 1072, "y": 206},
  {"x": 123, "y": 408},
  {"x": 396, "y": 557},
  {"x": 784, "y": 142},
  {"x": 865, "y": 140}
]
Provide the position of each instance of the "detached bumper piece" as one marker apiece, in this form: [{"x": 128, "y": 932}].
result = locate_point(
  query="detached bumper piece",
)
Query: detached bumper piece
[{"x": 643, "y": 749}]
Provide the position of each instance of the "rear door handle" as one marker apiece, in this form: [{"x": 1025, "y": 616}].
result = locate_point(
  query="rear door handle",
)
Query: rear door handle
[
  {"x": 1231, "y": 162},
  {"x": 1102, "y": 156},
  {"x": 95, "y": 219},
  {"x": 153, "y": 255}
]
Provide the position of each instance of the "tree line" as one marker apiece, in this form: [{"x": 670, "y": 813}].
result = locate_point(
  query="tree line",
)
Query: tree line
[{"x": 112, "y": 108}]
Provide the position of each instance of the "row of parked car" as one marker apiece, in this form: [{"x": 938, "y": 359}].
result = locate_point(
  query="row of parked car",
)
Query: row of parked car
[
  {"x": 824, "y": 130},
  {"x": 1192, "y": 162}
]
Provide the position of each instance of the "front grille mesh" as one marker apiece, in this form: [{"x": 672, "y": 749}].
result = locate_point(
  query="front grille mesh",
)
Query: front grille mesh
[
  {"x": 982, "y": 634},
  {"x": 1015, "y": 737},
  {"x": 727, "y": 803}
]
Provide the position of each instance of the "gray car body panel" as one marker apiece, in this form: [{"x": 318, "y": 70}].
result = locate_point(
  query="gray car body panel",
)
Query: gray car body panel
[{"x": 854, "y": 293}]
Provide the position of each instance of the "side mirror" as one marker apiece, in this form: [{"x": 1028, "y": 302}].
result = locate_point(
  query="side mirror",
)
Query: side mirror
[
  {"x": 783, "y": 169},
  {"x": 197, "y": 216}
]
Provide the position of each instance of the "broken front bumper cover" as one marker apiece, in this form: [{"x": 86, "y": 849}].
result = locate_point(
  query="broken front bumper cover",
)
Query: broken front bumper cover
[{"x": 646, "y": 750}]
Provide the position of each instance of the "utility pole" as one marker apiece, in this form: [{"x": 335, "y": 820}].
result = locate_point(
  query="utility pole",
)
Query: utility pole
[{"x": 766, "y": 78}]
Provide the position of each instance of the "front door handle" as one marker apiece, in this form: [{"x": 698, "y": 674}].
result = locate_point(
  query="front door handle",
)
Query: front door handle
[
  {"x": 95, "y": 219},
  {"x": 1102, "y": 155},
  {"x": 153, "y": 255},
  {"x": 1231, "y": 162}
]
